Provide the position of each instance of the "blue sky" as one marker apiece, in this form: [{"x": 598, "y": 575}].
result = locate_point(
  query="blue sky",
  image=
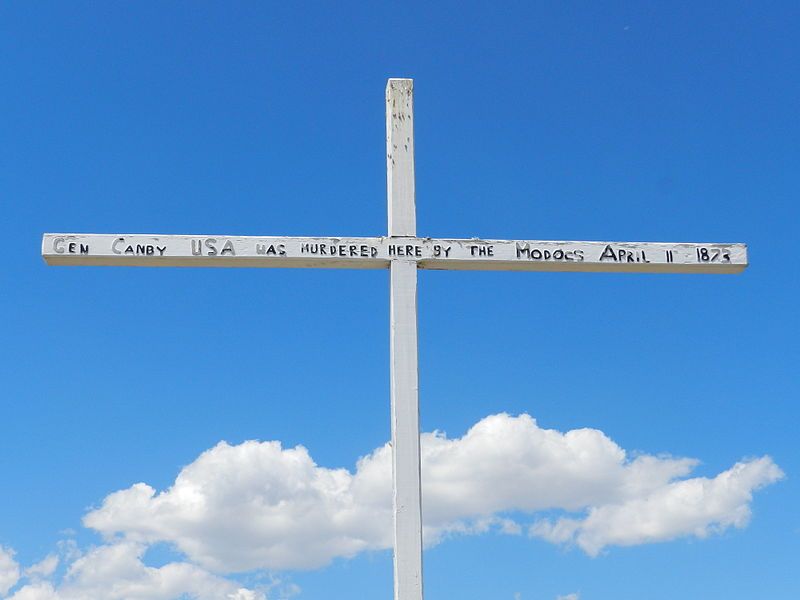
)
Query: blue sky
[{"x": 629, "y": 121}]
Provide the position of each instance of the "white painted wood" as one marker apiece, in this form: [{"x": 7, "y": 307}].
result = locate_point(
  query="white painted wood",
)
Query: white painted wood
[
  {"x": 213, "y": 251},
  {"x": 620, "y": 257},
  {"x": 400, "y": 157},
  {"x": 406, "y": 475},
  {"x": 378, "y": 252},
  {"x": 407, "y": 490}
]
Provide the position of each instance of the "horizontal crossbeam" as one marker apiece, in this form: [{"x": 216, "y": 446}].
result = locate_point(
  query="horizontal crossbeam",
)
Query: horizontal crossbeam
[{"x": 378, "y": 252}]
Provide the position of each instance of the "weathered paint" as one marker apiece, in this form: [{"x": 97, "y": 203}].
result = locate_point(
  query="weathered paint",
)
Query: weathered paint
[
  {"x": 406, "y": 476},
  {"x": 378, "y": 252},
  {"x": 403, "y": 256},
  {"x": 400, "y": 180}
]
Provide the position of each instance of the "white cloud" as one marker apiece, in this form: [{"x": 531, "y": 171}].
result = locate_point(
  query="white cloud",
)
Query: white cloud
[
  {"x": 9, "y": 570},
  {"x": 694, "y": 507},
  {"x": 116, "y": 572},
  {"x": 257, "y": 505},
  {"x": 44, "y": 568},
  {"x": 254, "y": 505}
]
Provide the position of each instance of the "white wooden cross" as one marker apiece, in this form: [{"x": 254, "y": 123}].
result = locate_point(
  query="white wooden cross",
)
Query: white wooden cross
[{"x": 402, "y": 252}]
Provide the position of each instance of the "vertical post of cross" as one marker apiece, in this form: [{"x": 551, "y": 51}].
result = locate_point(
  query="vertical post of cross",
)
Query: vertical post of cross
[{"x": 406, "y": 480}]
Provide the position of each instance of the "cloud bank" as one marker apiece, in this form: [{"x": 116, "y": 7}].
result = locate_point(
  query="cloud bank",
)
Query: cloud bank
[
  {"x": 116, "y": 572},
  {"x": 257, "y": 506},
  {"x": 9, "y": 570}
]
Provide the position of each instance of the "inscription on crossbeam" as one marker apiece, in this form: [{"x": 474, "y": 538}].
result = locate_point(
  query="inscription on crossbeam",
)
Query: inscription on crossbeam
[{"x": 377, "y": 252}]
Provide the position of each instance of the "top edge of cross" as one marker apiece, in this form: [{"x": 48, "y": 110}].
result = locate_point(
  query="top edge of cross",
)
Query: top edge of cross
[{"x": 400, "y": 83}]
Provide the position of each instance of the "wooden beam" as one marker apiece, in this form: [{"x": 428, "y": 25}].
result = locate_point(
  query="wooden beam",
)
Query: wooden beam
[
  {"x": 406, "y": 476},
  {"x": 139, "y": 250},
  {"x": 407, "y": 490},
  {"x": 378, "y": 252},
  {"x": 400, "y": 157},
  {"x": 579, "y": 256}
]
